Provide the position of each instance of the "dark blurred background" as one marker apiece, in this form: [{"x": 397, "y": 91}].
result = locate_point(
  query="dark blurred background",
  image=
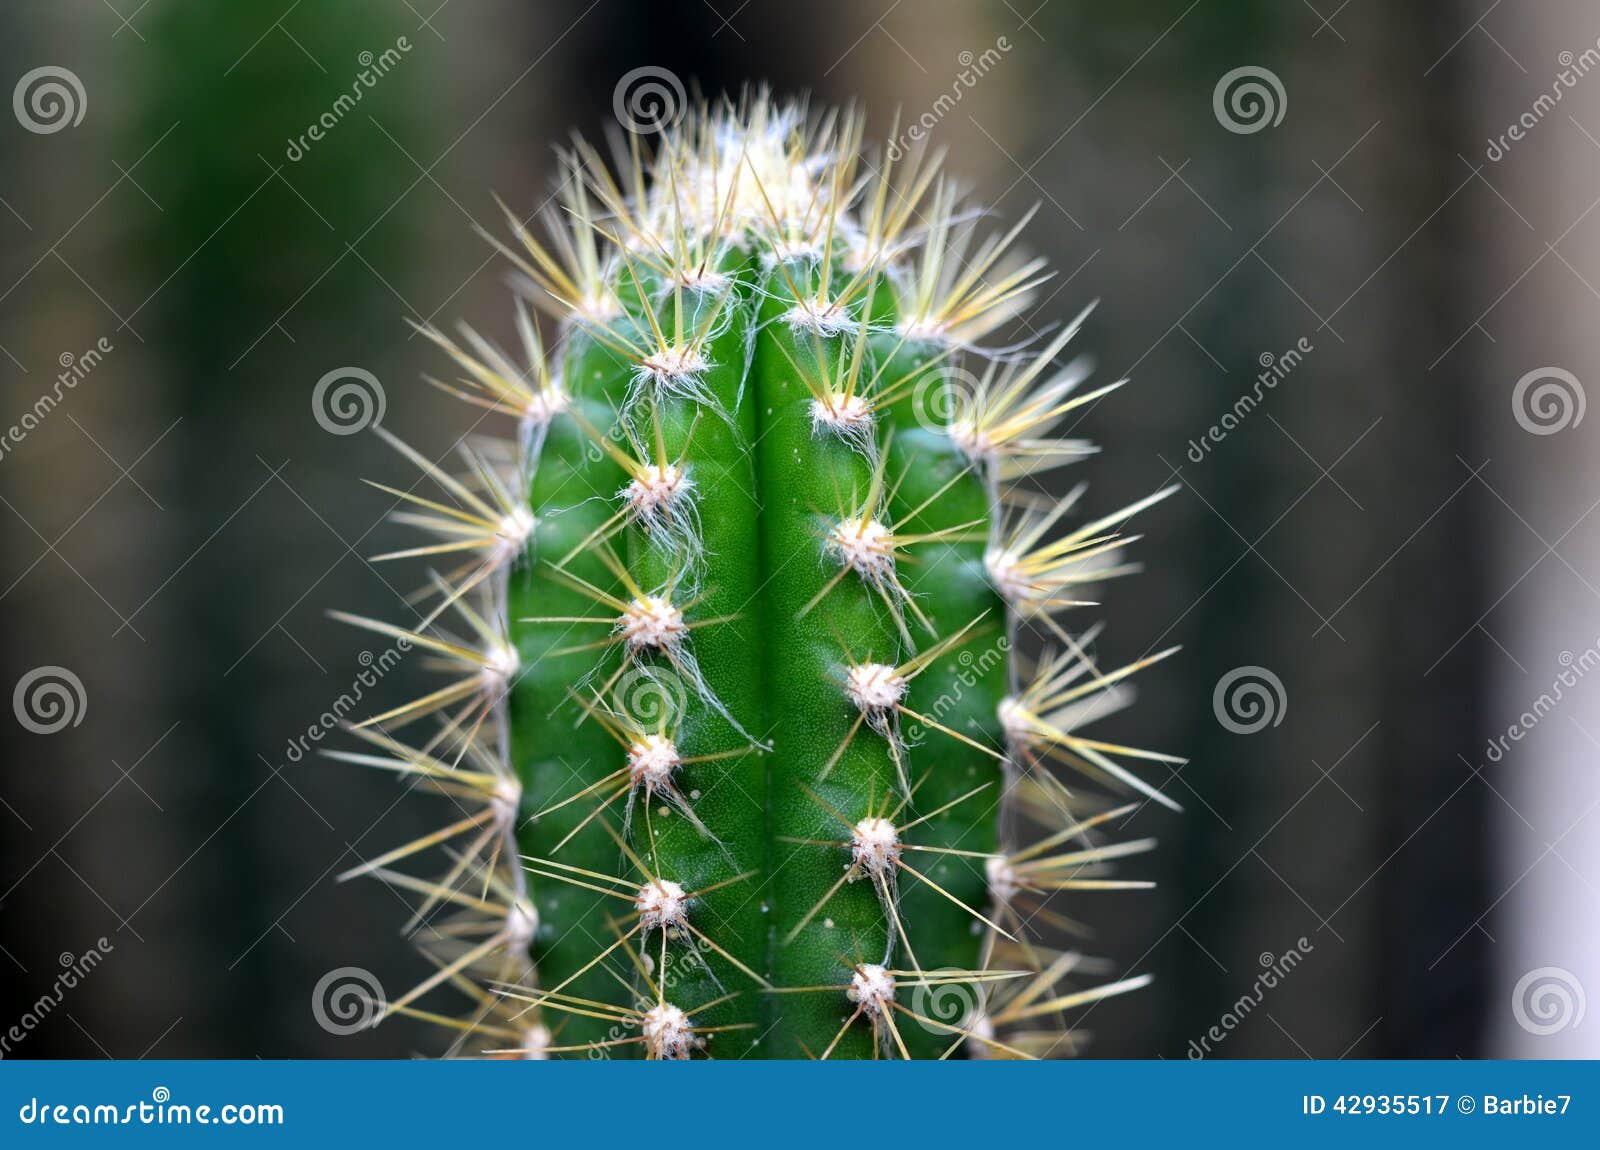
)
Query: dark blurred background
[{"x": 1395, "y": 538}]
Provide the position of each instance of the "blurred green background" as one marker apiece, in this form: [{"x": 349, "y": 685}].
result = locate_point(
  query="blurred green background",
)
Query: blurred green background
[{"x": 1382, "y": 533}]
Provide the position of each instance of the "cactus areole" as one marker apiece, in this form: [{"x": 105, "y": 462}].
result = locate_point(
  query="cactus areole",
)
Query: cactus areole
[{"x": 740, "y": 751}]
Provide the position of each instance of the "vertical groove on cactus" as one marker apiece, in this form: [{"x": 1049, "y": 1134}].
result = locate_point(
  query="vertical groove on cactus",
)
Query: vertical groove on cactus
[{"x": 738, "y": 741}]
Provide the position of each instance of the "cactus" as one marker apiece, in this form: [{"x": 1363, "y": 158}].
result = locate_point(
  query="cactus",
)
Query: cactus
[{"x": 739, "y": 738}]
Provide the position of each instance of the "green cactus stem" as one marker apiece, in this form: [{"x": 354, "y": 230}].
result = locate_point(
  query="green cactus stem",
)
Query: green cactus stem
[{"x": 737, "y": 712}]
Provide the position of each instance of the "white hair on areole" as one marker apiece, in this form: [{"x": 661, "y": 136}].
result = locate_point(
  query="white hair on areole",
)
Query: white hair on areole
[
  {"x": 652, "y": 622},
  {"x": 865, "y": 546},
  {"x": 500, "y": 663},
  {"x": 651, "y": 762},
  {"x": 871, "y": 988},
  {"x": 876, "y": 689},
  {"x": 875, "y": 845},
  {"x": 668, "y": 1033},
  {"x": 662, "y": 905},
  {"x": 850, "y": 417},
  {"x": 826, "y": 318}
]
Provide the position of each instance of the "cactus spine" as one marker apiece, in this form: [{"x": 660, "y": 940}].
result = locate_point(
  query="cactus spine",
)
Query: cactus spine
[{"x": 739, "y": 724}]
